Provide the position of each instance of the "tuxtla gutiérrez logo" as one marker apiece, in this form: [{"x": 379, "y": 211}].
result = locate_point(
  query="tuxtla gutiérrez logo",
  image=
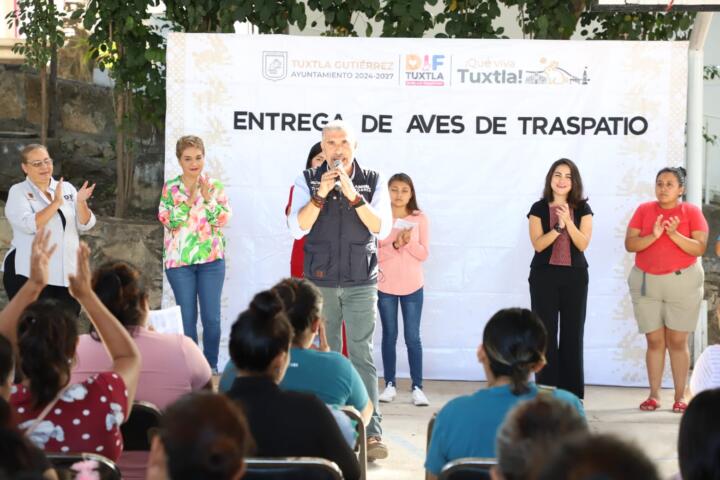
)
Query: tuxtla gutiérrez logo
[{"x": 274, "y": 65}]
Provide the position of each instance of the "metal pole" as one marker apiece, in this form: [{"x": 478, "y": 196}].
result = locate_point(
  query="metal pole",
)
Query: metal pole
[{"x": 695, "y": 108}]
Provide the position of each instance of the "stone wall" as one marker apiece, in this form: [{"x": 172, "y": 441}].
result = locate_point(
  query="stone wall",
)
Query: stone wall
[
  {"x": 83, "y": 145},
  {"x": 139, "y": 242}
]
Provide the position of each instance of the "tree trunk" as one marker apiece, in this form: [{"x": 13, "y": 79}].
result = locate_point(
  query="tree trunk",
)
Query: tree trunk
[
  {"x": 120, "y": 154},
  {"x": 125, "y": 161},
  {"x": 43, "y": 105},
  {"x": 52, "y": 95}
]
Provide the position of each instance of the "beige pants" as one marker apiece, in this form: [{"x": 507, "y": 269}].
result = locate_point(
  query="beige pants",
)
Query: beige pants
[{"x": 671, "y": 300}]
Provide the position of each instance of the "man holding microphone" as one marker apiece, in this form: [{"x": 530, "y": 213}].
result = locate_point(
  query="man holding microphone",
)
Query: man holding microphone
[{"x": 342, "y": 210}]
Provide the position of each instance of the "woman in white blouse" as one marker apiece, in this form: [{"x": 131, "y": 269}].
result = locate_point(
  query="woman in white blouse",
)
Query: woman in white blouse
[{"x": 41, "y": 201}]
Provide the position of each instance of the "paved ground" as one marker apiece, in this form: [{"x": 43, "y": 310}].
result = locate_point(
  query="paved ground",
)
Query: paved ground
[{"x": 609, "y": 409}]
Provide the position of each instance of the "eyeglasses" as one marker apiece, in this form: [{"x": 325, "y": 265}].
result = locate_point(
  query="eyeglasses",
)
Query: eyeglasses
[{"x": 47, "y": 162}]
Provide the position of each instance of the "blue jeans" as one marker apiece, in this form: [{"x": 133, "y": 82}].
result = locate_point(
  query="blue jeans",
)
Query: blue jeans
[
  {"x": 203, "y": 281},
  {"x": 411, "y": 306}
]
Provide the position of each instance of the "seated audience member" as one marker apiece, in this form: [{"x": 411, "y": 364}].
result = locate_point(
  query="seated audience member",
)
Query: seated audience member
[
  {"x": 513, "y": 348},
  {"x": 327, "y": 374},
  {"x": 202, "y": 436},
  {"x": 706, "y": 372},
  {"x": 595, "y": 457},
  {"x": 172, "y": 365},
  {"x": 523, "y": 438},
  {"x": 59, "y": 416},
  {"x": 699, "y": 438},
  {"x": 283, "y": 423},
  {"x": 17, "y": 454}
]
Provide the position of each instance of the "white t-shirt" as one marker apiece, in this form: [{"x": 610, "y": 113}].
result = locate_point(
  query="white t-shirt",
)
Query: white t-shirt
[{"x": 706, "y": 374}]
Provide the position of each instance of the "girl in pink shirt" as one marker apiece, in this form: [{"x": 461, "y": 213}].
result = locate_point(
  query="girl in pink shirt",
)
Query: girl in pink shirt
[
  {"x": 172, "y": 364},
  {"x": 400, "y": 258}
]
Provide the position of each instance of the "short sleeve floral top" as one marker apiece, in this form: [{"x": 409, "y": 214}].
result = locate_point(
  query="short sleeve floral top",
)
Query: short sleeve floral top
[
  {"x": 86, "y": 417},
  {"x": 193, "y": 233}
]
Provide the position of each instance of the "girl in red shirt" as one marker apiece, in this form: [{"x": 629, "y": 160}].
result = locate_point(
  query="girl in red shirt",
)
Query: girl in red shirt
[{"x": 666, "y": 283}]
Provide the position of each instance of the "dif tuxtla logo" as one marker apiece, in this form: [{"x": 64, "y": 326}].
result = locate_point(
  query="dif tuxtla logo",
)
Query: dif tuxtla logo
[{"x": 425, "y": 69}]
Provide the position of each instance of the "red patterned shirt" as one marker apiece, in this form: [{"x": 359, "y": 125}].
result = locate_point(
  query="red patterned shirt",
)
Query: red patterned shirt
[{"x": 86, "y": 418}]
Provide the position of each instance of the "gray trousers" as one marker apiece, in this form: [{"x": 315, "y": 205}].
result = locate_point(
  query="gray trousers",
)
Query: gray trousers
[{"x": 358, "y": 307}]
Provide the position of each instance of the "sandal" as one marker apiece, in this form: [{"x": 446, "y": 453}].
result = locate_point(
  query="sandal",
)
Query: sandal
[
  {"x": 679, "y": 407},
  {"x": 650, "y": 405}
]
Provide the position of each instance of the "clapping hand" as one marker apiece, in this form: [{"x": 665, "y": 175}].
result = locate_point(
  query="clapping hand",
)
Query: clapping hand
[
  {"x": 85, "y": 192},
  {"x": 205, "y": 188},
  {"x": 563, "y": 213},
  {"x": 80, "y": 283},
  {"x": 671, "y": 225},
  {"x": 58, "y": 200},
  {"x": 40, "y": 257},
  {"x": 658, "y": 226}
]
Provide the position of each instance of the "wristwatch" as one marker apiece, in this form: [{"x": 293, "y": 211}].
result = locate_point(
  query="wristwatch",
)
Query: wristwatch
[{"x": 558, "y": 228}]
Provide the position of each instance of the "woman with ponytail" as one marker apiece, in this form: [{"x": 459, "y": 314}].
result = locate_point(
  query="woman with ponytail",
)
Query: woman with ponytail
[
  {"x": 283, "y": 423},
  {"x": 57, "y": 415},
  {"x": 172, "y": 364},
  {"x": 513, "y": 348}
]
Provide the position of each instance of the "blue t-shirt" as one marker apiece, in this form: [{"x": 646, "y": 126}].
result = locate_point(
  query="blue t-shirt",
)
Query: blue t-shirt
[
  {"x": 328, "y": 375},
  {"x": 466, "y": 426}
]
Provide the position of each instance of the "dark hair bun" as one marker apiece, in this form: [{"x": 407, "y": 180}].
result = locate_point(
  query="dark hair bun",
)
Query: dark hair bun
[
  {"x": 266, "y": 304},
  {"x": 108, "y": 287}
]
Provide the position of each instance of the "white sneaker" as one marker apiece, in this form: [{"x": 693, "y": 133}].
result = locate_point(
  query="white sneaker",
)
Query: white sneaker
[
  {"x": 419, "y": 399},
  {"x": 388, "y": 395}
]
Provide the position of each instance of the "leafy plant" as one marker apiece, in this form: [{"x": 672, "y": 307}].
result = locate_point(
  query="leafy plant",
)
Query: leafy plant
[
  {"x": 341, "y": 16},
  {"x": 470, "y": 19},
  {"x": 133, "y": 53},
  {"x": 404, "y": 18},
  {"x": 41, "y": 23}
]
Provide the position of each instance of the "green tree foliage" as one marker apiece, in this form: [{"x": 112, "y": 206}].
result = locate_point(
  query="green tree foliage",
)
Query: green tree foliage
[
  {"x": 405, "y": 18},
  {"x": 41, "y": 24},
  {"x": 470, "y": 19},
  {"x": 341, "y": 16},
  {"x": 636, "y": 25},
  {"x": 124, "y": 44}
]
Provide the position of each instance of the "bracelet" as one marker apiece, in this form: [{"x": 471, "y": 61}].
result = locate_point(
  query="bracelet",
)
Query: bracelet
[
  {"x": 317, "y": 200},
  {"x": 358, "y": 202},
  {"x": 395, "y": 246}
]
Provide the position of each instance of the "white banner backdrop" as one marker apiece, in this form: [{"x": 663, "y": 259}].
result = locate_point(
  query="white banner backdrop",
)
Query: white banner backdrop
[{"x": 476, "y": 124}]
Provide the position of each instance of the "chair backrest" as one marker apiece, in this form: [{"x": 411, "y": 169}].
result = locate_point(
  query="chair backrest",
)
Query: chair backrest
[
  {"x": 470, "y": 468},
  {"x": 428, "y": 436},
  {"x": 361, "y": 443},
  {"x": 69, "y": 465},
  {"x": 291, "y": 468},
  {"x": 137, "y": 431}
]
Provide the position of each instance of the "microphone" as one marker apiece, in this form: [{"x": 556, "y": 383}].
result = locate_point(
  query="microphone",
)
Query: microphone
[{"x": 338, "y": 164}]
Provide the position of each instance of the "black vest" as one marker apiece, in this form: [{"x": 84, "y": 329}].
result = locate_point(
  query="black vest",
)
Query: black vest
[{"x": 340, "y": 251}]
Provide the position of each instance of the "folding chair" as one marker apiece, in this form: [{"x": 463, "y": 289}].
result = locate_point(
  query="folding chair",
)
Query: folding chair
[
  {"x": 138, "y": 430},
  {"x": 361, "y": 444},
  {"x": 291, "y": 468},
  {"x": 470, "y": 468},
  {"x": 428, "y": 436},
  {"x": 68, "y": 465}
]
